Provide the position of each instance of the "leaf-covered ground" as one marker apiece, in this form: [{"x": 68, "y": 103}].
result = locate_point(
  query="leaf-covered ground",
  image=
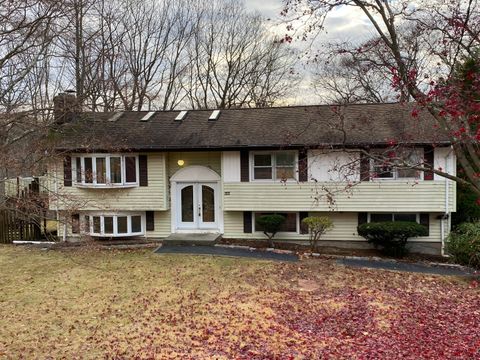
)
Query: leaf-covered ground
[{"x": 112, "y": 304}]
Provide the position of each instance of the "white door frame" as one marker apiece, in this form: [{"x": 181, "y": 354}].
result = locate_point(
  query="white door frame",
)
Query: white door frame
[
  {"x": 197, "y": 222},
  {"x": 197, "y": 176}
]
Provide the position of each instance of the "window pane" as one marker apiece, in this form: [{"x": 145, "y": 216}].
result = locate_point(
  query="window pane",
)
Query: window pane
[
  {"x": 108, "y": 224},
  {"x": 130, "y": 169},
  {"x": 78, "y": 163},
  {"x": 382, "y": 171},
  {"x": 101, "y": 170},
  {"x": 86, "y": 224},
  {"x": 284, "y": 173},
  {"x": 408, "y": 173},
  {"x": 405, "y": 217},
  {"x": 262, "y": 160},
  {"x": 136, "y": 224},
  {"x": 88, "y": 170},
  {"x": 122, "y": 227},
  {"x": 380, "y": 217},
  {"x": 286, "y": 159},
  {"x": 208, "y": 204},
  {"x": 96, "y": 224},
  {"x": 262, "y": 173},
  {"x": 290, "y": 224},
  {"x": 187, "y": 204},
  {"x": 115, "y": 170}
]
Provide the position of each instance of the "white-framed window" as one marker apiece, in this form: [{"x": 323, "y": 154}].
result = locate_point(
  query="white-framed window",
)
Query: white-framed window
[
  {"x": 105, "y": 170},
  {"x": 384, "y": 169},
  {"x": 113, "y": 225},
  {"x": 381, "y": 217},
  {"x": 273, "y": 165},
  {"x": 291, "y": 224}
]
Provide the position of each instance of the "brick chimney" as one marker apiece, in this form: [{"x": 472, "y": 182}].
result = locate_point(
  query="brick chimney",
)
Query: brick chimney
[{"x": 65, "y": 107}]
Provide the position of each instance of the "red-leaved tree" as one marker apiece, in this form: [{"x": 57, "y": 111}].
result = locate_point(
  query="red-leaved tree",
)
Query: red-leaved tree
[{"x": 429, "y": 51}]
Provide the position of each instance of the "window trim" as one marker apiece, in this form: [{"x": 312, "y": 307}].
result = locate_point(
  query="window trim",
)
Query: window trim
[
  {"x": 115, "y": 216},
  {"x": 273, "y": 166},
  {"x": 395, "y": 176},
  {"x": 108, "y": 183},
  {"x": 297, "y": 222},
  {"x": 417, "y": 215}
]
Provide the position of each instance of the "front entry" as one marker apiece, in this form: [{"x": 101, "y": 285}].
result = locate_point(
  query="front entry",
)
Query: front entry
[{"x": 196, "y": 206}]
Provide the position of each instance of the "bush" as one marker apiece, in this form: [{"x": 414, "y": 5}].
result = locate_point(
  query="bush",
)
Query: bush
[
  {"x": 317, "y": 226},
  {"x": 464, "y": 244},
  {"x": 270, "y": 224},
  {"x": 467, "y": 207},
  {"x": 391, "y": 236}
]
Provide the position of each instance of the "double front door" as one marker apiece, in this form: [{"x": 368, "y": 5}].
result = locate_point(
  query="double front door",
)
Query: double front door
[{"x": 197, "y": 206}]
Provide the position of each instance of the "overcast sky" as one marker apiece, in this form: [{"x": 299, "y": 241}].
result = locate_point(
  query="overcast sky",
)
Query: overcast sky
[{"x": 344, "y": 24}]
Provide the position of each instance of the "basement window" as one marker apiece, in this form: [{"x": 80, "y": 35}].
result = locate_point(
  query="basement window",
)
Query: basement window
[
  {"x": 381, "y": 217},
  {"x": 105, "y": 170},
  {"x": 289, "y": 226},
  {"x": 113, "y": 225}
]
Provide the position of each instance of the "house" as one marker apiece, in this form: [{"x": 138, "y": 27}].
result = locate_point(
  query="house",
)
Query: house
[{"x": 151, "y": 174}]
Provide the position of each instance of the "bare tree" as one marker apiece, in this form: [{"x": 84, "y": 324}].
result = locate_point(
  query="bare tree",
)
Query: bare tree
[{"x": 235, "y": 62}]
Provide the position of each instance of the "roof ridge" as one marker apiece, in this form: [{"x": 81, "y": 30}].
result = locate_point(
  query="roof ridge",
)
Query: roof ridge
[{"x": 255, "y": 108}]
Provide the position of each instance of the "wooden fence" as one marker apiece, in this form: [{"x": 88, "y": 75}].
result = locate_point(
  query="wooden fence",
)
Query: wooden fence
[
  {"x": 29, "y": 217},
  {"x": 13, "y": 227}
]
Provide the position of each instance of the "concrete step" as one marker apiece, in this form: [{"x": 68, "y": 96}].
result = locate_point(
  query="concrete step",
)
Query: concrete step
[{"x": 186, "y": 239}]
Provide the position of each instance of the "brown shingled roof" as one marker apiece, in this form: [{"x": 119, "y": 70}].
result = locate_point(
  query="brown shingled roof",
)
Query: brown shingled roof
[{"x": 296, "y": 126}]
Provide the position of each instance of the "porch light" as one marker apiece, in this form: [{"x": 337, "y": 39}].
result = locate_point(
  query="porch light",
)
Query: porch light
[{"x": 181, "y": 162}]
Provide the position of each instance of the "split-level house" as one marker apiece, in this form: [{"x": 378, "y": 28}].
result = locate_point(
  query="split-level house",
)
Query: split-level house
[{"x": 151, "y": 174}]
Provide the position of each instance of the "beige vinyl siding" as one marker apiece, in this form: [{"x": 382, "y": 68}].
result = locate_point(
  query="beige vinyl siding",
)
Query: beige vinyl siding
[
  {"x": 345, "y": 228},
  {"x": 210, "y": 159},
  {"x": 141, "y": 198},
  {"x": 424, "y": 196},
  {"x": 162, "y": 225}
]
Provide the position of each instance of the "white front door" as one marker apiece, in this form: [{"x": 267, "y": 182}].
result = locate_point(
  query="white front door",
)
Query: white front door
[{"x": 197, "y": 206}]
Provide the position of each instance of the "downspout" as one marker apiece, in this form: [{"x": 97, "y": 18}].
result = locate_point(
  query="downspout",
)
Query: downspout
[
  {"x": 57, "y": 215},
  {"x": 446, "y": 215}
]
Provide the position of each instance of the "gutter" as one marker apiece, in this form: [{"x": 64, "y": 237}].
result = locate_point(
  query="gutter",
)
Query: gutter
[{"x": 173, "y": 148}]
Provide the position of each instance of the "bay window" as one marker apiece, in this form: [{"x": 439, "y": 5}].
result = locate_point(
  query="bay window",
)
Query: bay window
[
  {"x": 277, "y": 165},
  {"x": 103, "y": 170},
  {"x": 113, "y": 225}
]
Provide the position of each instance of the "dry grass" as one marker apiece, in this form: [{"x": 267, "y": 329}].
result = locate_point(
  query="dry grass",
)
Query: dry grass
[{"x": 122, "y": 304}]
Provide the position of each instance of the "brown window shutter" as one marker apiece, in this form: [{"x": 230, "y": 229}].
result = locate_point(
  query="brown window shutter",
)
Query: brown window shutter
[
  {"x": 425, "y": 221},
  {"x": 364, "y": 167},
  {"x": 303, "y": 228},
  {"x": 247, "y": 221},
  {"x": 150, "y": 220},
  {"x": 362, "y": 218},
  {"x": 302, "y": 166},
  {"x": 67, "y": 171},
  {"x": 143, "y": 169},
  {"x": 244, "y": 166},
  {"x": 428, "y": 153}
]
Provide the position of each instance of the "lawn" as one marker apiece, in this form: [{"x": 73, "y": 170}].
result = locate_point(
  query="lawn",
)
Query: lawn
[{"x": 92, "y": 303}]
